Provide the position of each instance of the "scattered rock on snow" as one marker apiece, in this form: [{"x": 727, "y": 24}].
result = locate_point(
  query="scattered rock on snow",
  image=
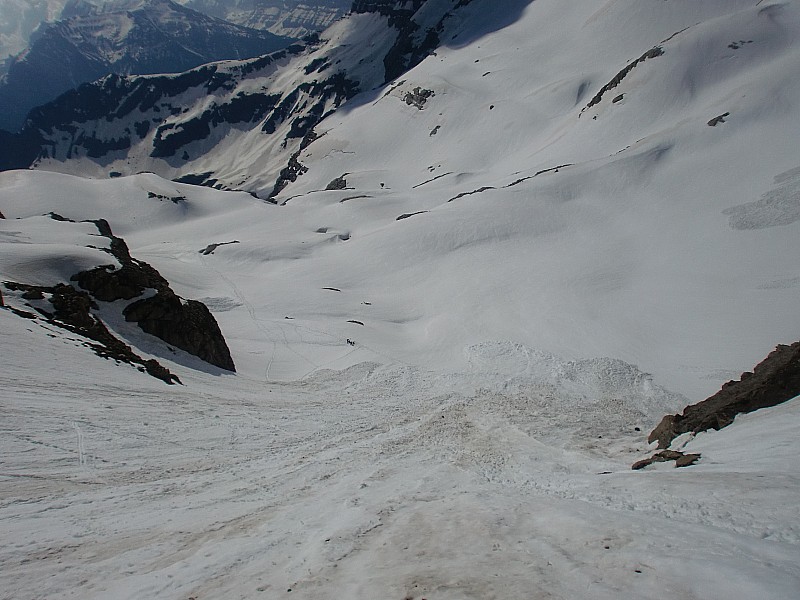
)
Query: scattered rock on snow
[
  {"x": 418, "y": 97},
  {"x": 72, "y": 311},
  {"x": 681, "y": 459}
]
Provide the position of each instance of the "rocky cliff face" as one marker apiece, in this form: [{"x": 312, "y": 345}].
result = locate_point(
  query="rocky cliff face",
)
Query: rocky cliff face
[
  {"x": 774, "y": 380},
  {"x": 79, "y": 306},
  {"x": 186, "y": 324},
  {"x": 156, "y": 36}
]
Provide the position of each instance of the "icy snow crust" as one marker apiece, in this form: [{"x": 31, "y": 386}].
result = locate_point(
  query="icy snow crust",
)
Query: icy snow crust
[{"x": 476, "y": 440}]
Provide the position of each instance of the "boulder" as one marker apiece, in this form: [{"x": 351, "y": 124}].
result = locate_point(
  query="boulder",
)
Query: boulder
[{"x": 186, "y": 324}]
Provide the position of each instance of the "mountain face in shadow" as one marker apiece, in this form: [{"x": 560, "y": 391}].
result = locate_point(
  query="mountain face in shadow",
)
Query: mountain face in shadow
[{"x": 152, "y": 36}]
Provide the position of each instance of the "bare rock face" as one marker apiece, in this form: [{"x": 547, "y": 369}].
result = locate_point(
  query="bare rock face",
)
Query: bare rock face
[
  {"x": 186, "y": 324},
  {"x": 131, "y": 280},
  {"x": 773, "y": 381}
]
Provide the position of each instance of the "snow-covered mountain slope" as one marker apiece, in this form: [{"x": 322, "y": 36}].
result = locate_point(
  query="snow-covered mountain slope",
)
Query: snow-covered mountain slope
[
  {"x": 631, "y": 196},
  {"x": 377, "y": 482},
  {"x": 488, "y": 280},
  {"x": 237, "y": 122},
  {"x": 142, "y": 36}
]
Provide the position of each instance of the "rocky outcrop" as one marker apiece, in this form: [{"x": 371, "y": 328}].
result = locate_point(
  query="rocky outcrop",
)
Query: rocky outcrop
[
  {"x": 71, "y": 310},
  {"x": 109, "y": 283},
  {"x": 774, "y": 380},
  {"x": 340, "y": 183},
  {"x": 186, "y": 324},
  {"x": 617, "y": 79},
  {"x": 418, "y": 97}
]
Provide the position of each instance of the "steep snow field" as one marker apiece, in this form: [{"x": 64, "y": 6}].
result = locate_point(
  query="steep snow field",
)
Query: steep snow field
[
  {"x": 530, "y": 283},
  {"x": 536, "y": 209},
  {"x": 507, "y": 478},
  {"x": 375, "y": 482}
]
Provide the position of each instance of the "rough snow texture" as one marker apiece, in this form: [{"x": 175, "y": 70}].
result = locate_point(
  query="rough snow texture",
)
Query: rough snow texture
[{"x": 476, "y": 438}]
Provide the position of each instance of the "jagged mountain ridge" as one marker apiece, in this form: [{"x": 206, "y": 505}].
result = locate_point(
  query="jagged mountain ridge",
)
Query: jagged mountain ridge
[
  {"x": 260, "y": 109},
  {"x": 152, "y": 36}
]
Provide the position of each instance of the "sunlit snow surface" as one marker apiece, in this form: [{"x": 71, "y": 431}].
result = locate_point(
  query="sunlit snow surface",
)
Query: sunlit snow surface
[
  {"x": 377, "y": 482},
  {"x": 476, "y": 440}
]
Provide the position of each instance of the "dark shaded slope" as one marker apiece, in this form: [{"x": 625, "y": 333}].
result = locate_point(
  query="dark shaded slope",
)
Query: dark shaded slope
[{"x": 161, "y": 37}]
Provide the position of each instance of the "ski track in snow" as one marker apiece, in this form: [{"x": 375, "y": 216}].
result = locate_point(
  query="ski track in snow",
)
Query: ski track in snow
[
  {"x": 374, "y": 482},
  {"x": 468, "y": 461}
]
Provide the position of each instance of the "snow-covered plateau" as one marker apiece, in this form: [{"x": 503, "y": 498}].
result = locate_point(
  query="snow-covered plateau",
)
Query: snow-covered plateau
[{"x": 453, "y": 328}]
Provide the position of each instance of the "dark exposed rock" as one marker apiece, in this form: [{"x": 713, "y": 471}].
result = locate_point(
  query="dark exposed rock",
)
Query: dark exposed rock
[
  {"x": 340, "y": 183},
  {"x": 719, "y": 119},
  {"x": 418, "y": 97},
  {"x": 186, "y": 324},
  {"x": 541, "y": 172},
  {"x": 108, "y": 283},
  {"x": 33, "y": 295},
  {"x": 413, "y": 187},
  {"x": 72, "y": 311},
  {"x": 480, "y": 190},
  {"x": 681, "y": 459},
  {"x": 173, "y": 199},
  {"x": 617, "y": 79},
  {"x": 288, "y": 174},
  {"x": 407, "y": 215},
  {"x": 211, "y": 247},
  {"x": 197, "y": 179},
  {"x": 773, "y": 381},
  {"x": 19, "y": 150}
]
